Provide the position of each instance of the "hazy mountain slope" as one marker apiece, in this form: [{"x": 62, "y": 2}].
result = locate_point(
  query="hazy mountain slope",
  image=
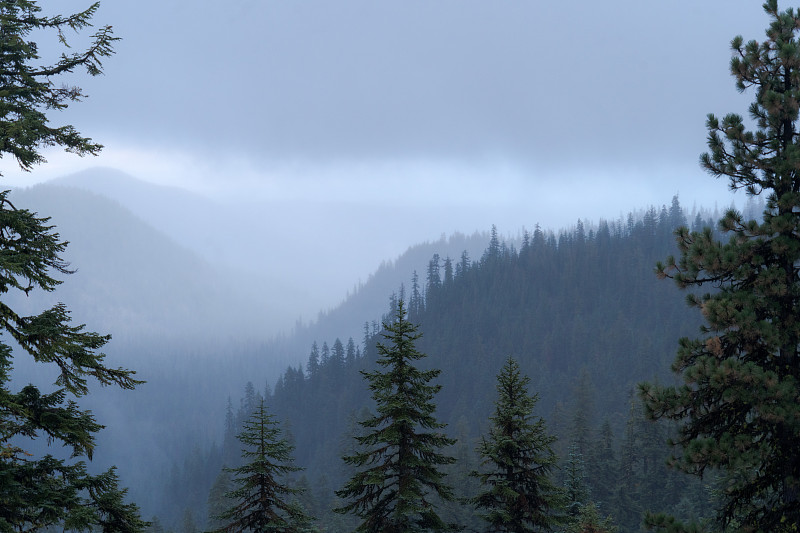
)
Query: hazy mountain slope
[
  {"x": 239, "y": 241},
  {"x": 367, "y": 301},
  {"x": 180, "y": 322},
  {"x": 302, "y": 255},
  {"x": 131, "y": 279},
  {"x": 191, "y": 329}
]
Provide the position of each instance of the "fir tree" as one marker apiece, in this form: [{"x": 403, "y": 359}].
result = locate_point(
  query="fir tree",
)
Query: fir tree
[
  {"x": 351, "y": 354},
  {"x": 603, "y": 468},
  {"x": 739, "y": 409},
  {"x": 218, "y": 502},
  {"x": 518, "y": 494},
  {"x": 576, "y": 491},
  {"x": 434, "y": 277},
  {"x": 312, "y": 367},
  {"x": 589, "y": 521},
  {"x": 261, "y": 497},
  {"x": 37, "y": 494},
  {"x": 28, "y": 88},
  {"x": 399, "y": 472}
]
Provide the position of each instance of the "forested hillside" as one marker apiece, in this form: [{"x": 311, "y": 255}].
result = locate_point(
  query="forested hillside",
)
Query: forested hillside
[
  {"x": 195, "y": 331},
  {"x": 582, "y": 312}
]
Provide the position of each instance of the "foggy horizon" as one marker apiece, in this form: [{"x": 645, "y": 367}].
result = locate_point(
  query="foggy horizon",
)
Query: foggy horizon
[{"x": 451, "y": 117}]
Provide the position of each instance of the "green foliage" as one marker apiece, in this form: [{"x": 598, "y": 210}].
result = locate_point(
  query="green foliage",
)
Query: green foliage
[
  {"x": 517, "y": 462},
  {"x": 261, "y": 498},
  {"x": 589, "y": 521},
  {"x": 557, "y": 306},
  {"x": 48, "y": 492},
  {"x": 399, "y": 470},
  {"x": 668, "y": 524},
  {"x": 739, "y": 409},
  {"x": 575, "y": 489},
  {"x": 27, "y": 90}
]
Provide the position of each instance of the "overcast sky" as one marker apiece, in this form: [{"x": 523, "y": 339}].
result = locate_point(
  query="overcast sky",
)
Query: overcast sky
[
  {"x": 555, "y": 89},
  {"x": 571, "y": 94},
  {"x": 513, "y": 112}
]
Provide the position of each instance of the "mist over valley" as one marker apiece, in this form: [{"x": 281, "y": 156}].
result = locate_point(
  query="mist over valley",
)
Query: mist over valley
[{"x": 171, "y": 276}]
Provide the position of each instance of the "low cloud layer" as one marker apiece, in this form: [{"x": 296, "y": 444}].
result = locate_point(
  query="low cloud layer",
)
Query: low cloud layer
[{"x": 545, "y": 83}]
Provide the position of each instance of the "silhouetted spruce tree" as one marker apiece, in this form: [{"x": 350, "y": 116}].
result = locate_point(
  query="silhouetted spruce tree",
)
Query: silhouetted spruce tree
[
  {"x": 399, "y": 476},
  {"x": 39, "y": 493},
  {"x": 739, "y": 410},
  {"x": 351, "y": 353},
  {"x": 312, "y": 367},
  {"x": 518, "y": 493},
  {"x": 261, "y": 497}
]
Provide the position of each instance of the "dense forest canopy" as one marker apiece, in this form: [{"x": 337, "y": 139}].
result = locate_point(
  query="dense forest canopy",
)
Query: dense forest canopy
[{"x": 566, "y": 306}]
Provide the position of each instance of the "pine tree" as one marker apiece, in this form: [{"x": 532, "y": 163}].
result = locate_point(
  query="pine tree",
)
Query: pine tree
[
  {"x": 739, "y": 409},
  {"x": 576, "y": 491},
  {"x": 399, "y": 472},
  {"x": 351, "y": 354},
  {"x": 583, "y": 412},
  {"x": 519, "y": 495},
  {"x": 47, "y": 492},
  {"x": 434, "y": 277},
  {"x": 28, "y": 88},
  {"x": 603, "y": 468},
  {"x": 589, "y": 521},
  {"x": 312, "y": 367},
  {"x": 261, "y": 497}
]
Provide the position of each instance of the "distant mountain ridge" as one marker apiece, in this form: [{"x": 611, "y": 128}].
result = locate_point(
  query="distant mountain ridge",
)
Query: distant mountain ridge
[
  {"x": 252, "y": 244},
  {"x": 132, "y": 279}
]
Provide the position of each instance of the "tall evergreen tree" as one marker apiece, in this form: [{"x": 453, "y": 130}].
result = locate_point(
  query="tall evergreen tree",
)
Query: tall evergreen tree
[
  {"x": 434, "y": 277},
  {"x": 399, "y": 472},
  {"x": 739, "y": 409},
  {"x": 47, "y": 492},
  {"x": 603, "y": 468},
  {"x": 518, "y": 494},
  {"x": 312, "y": 367},
  {"x": 351, "y": 354},
  {"x": 576, "y": 491},
  {"x": 582, "y": 412},
  {"x": 261, "y": 497}
]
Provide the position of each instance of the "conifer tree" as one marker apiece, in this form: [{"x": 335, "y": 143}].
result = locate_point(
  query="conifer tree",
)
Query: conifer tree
[
  {"x": 41, "y": 493},
  {"x": 312, "y": 367},
  {"x": 739, "y": 409},
  {"x": 218, "y": 502},
  {"x": 518, "y": 495},
  {"x": 576, "y": 491},
  {"x": 589, "y": 521},
  {"x": 399, "y": 474},
  {"x": 261, "y": 495},
  {"x": 602, "y": 471}
]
